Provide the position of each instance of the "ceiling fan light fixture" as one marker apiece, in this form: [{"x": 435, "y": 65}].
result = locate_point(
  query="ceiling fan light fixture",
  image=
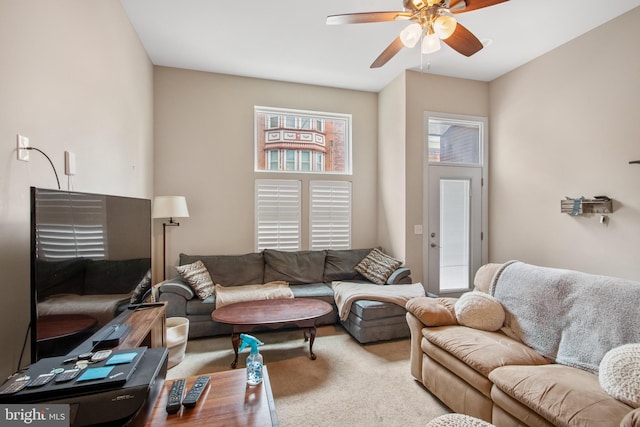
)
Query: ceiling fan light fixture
[
  {"x": 444, "y": 26},
  {"x": 430, "y": 43},
  {"x": 411, "y": 34}
]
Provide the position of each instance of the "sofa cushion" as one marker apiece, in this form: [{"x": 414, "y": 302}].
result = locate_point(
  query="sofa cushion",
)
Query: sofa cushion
[
  {"x": 197, "y": 306},
  {"x": 619, "y": 373},
  {"x": 433, "y": 311},
  {"x": 370, "y": 310},
  {"x": 341, "y": 264},
  {"x": 479, "y": 349},
  {"x": 294, "y": 267},
  {"x": 561, "y": 394},
  {"x": 479, "y": 311},
  {"x": 229, "y": 270},
  {"x": 377, "y": 266},
  {"x": 198, "y": 277}
]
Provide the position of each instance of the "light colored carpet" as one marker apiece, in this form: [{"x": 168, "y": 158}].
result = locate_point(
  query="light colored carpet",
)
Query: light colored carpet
[{"x": 349, "y": 384}]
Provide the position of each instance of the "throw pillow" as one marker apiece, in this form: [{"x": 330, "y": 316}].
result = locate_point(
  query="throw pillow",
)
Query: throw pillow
[
  {"x": 377, "y": 266},
  {"x": 141, "y": 289},
  {"x": 619, "y": 372},
  {"x": 478, "y": 310},
  {"x": 198, "y": 277}
]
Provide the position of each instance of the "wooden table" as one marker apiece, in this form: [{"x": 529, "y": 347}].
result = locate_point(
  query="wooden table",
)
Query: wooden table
[
  {"x": 275, "y": 313},
  {"x": 227, "y": 402},
  {"x": 147, "y": 328}
]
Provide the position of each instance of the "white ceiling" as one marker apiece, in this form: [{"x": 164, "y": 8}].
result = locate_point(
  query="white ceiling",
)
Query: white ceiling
[{"x": 289, "y": 40}]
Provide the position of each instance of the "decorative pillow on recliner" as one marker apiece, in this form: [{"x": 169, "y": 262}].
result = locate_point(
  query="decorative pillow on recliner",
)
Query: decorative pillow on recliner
[
  {"x": 377, "y": 266},
  {"x": 619, "y": 372},
  {"x": 198, "y": 277},
  {"x": 478, "y": 310}
]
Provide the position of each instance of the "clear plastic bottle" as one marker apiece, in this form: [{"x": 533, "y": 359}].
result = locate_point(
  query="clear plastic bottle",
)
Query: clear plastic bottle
[{"x": 254, "y": 368}]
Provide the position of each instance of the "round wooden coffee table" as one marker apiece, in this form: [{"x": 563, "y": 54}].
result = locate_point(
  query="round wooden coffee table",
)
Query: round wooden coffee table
[{"x": 274, "y": 313}]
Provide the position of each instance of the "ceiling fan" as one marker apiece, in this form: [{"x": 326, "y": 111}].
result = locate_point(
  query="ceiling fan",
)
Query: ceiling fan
[{"x": 432, "y": 19}]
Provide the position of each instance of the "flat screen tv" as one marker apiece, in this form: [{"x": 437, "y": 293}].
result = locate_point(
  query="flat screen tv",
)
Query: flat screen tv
[{"x": 90, "y": 254}]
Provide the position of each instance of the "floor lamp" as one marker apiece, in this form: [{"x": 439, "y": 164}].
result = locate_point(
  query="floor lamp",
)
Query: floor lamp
[{"x": 168, "y": 207}]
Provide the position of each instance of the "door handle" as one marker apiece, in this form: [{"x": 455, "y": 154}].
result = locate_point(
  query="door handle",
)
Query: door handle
[{"x": 434, "y": 245}]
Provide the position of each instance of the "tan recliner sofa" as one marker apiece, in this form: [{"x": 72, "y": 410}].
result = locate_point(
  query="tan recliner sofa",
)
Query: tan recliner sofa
[{"x": 502, "y": 380}]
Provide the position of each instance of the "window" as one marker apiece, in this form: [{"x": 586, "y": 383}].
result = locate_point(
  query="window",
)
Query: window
[
  {"x": 278, "y": 214},
  {"x": 307, "y": 141},
  {"x": 273, "y": 161},
  {"x": 454, "y": 141},
  {"x": 330, "y": 214}
]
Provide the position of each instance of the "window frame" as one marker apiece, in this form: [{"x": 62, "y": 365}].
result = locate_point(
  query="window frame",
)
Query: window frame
[{"x": 323, "y": 144}]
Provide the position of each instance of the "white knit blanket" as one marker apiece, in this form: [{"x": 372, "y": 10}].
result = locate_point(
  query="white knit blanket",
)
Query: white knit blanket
[
  {"x": 569, "y": 317},
  {"x": 226, "y": 295},
  {"x": 346, "y": 293}
]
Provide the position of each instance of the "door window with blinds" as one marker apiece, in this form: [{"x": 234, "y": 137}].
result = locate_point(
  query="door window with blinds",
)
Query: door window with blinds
[{"x": 278, "y": 212}]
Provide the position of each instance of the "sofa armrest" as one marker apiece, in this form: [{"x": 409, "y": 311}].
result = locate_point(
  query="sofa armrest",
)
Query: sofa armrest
[
  {"x": 400, "y": 276},
  {"x": 177, "y": 285},
  {"x": 433, "y": 311}
]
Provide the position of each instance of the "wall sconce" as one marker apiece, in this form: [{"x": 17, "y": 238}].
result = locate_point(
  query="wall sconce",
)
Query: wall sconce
[{"x": 168, "y": 207}]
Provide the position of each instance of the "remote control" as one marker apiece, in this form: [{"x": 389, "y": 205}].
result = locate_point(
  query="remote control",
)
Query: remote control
[
  {"x": 100, "y": 355},
  {"x": 67, "y": 375},
  {"x": 175, "y": 396},
  {"x": 196, "y": 390},
  {"x": 16, "y": 386},
  {"x": 41, "y": 379}
]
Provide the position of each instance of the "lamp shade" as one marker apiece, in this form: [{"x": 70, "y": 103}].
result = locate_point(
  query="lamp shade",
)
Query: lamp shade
[{"x": 169, "y": 207}]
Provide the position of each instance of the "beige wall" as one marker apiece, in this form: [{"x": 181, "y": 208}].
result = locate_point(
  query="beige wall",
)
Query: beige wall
[
  {"x": 74, "y": 77},
  {"x": 567, "y": 124},
  {"x": 428, "y": 92},
  {"x": 204, "y": 150},
  {"x": 392, "y": 168}
]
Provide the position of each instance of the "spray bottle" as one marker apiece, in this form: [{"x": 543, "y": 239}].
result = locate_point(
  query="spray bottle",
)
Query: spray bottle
[{"x": 254, "y": 360}]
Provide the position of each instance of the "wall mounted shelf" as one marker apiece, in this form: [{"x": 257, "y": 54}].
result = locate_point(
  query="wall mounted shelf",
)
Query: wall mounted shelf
[{"x": 587, "y": 206}]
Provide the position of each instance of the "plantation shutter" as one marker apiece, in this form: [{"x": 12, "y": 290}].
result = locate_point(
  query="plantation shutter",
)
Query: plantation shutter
[
  {"x": 71, "y": 225},
  {"x": 278, "y": 214},
  {"x": 330, "y": 214}
]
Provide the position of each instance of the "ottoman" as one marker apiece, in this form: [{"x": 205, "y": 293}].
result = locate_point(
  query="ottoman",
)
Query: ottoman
[{"x": 372, "y": 321}]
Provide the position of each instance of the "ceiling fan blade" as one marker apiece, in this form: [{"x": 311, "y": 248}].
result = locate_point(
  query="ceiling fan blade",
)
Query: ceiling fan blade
[
  {"x": 366, "y": 17},
  {"x": 455, "y": 5},
  {"x": 391, "y": 50},
  {"x": 463, "y": 41}
]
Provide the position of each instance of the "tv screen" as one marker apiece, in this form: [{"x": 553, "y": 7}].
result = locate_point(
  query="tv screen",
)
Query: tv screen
[{"x": 90, "y": 258}]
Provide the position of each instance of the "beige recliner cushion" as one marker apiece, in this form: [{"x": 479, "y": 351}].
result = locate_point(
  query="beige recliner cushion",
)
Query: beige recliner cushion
[
  {"x": 482, "y": 279},
  {"x": 561, "y": 394},
  {"x": 482, "y": 350}
]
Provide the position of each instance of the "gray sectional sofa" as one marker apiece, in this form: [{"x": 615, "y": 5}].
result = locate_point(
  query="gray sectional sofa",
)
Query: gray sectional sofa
[{"x": 309, "y": 274}]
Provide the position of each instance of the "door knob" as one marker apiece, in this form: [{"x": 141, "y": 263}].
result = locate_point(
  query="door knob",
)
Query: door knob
[{"x": 433, "y": 245}]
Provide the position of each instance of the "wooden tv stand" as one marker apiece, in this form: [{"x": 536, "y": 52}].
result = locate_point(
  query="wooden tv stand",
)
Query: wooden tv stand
[{"x": 147, "y": 328}]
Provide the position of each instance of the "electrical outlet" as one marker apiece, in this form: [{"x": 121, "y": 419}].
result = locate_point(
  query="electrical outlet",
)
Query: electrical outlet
[{"x": 22, "y": 145}]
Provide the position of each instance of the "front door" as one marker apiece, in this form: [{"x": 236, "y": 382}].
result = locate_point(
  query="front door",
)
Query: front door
[{"x": 455, "y": 213}]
